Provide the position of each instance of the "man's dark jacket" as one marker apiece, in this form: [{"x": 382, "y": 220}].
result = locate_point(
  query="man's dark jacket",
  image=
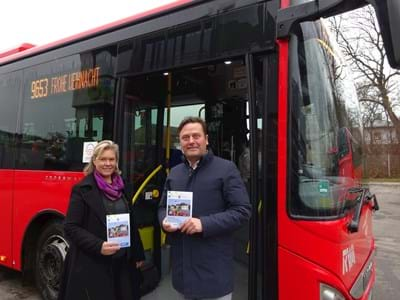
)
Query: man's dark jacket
[
  {"x": 87, "y": 273},
  {"x": 202, "y": 264}
]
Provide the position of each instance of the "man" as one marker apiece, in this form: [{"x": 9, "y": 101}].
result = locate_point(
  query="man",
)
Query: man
[{"x": 202, "y": 247}]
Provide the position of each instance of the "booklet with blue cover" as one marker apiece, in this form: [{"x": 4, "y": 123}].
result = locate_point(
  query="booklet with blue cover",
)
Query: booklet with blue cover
[
  {"x": 179, "y": 207},
  {"x": 118, "y": 229}
]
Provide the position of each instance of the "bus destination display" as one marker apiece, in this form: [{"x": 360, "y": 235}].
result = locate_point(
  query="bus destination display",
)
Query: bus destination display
[{"x": 46, "y": 86}]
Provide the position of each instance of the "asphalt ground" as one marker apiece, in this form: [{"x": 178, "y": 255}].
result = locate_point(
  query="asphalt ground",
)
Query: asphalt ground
[{"x": 387, "y": 234}]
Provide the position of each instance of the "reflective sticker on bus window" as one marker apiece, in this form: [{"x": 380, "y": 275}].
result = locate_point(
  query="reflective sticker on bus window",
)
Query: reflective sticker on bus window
[{"x": 88, "y": 148}]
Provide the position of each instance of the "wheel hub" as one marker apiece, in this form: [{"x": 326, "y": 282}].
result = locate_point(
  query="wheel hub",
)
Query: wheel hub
[{"x": 51, "y": 261}]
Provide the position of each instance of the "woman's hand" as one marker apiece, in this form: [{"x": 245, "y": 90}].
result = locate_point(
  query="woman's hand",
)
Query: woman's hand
[{"x": 108, "y": 248}]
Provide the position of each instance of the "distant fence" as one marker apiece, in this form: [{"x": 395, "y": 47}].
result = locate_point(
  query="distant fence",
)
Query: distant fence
[{"x": 382, "y": 161}]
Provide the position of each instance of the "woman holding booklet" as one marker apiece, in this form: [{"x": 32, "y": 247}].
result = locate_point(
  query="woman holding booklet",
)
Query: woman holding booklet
[{"x": 105, "y": 251}]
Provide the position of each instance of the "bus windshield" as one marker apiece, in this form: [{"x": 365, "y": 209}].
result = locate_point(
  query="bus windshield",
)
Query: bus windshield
[{"x": 324, "y": 152}]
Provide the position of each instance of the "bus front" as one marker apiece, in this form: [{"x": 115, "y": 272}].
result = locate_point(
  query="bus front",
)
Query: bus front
[{"x": 325, "y": 241}]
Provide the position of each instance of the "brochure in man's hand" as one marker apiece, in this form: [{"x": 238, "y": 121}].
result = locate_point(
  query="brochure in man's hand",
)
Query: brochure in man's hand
[
  {"x": 179, "y": 207},
  {"x": 118, "y": 229}
]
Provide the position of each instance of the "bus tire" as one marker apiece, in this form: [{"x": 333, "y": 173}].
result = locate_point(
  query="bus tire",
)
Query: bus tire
[{"x": 51, "y": 250}]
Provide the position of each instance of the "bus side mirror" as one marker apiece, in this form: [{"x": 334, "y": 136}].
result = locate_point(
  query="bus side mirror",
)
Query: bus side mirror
[{"x": 388, "y": 14}]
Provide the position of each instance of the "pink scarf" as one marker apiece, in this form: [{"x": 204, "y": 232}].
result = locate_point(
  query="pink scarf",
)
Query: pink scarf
[{"x": 112, "y": 191}]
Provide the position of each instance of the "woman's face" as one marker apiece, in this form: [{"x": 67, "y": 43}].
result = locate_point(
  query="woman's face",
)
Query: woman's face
[{"x": 106, "y": 164}]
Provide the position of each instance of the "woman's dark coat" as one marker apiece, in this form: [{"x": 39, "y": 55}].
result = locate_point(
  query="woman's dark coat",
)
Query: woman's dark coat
[
  {"x": 202, "y": 264},
  {"x": 87, "y": 273}
]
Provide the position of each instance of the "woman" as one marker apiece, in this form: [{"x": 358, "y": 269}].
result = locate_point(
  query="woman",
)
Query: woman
[{"x": 94, "y": 268}]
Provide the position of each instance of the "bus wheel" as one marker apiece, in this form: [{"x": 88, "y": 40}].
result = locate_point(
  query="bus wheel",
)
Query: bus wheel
[{"x": 50, "y": 255}]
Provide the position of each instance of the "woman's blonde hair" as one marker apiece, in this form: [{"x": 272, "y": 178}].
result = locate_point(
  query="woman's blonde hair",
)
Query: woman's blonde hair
[{"x": 98, "y": 151}]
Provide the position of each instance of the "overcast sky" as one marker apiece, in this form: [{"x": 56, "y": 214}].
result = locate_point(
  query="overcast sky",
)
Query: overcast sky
[{"x": 42, "y": 21}]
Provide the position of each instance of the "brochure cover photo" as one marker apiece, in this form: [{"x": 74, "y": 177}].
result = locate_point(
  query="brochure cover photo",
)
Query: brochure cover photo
[
  {"x": 118, "y": 229},
  {"x": 179, "y": 207}
]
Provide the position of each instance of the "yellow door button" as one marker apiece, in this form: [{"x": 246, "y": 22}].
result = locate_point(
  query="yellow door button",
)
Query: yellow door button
[{"x": 156, "y": 194}]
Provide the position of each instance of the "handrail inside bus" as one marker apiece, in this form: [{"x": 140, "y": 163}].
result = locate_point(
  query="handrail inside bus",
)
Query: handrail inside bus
[
  {"x": 259, "y": 208},
  {"x": 144, "y": 183}
]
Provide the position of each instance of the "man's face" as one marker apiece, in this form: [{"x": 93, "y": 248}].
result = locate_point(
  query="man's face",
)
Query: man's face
[{"x": 193, "y": 141}]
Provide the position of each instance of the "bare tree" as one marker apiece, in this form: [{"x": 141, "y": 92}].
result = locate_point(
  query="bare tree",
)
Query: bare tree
[{"x": 359, "y": 37}]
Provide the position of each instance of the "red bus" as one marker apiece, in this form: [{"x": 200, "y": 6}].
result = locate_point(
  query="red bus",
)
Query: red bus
[{"x": 267, "y": 80}]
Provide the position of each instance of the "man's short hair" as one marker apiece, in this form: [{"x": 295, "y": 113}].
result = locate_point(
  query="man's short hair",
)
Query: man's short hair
[{"x": 188, "y": 120}]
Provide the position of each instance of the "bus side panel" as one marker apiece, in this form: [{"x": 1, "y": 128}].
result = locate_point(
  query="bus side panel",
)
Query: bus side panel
[
  {"x": 330, "y": 245},
  {"x": 35, "y": 193},
  {"x": 6, "y": 180},
  {"x": 299, "y": 278}
]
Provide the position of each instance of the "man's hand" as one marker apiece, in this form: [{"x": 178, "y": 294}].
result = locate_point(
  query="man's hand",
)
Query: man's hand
[
  {"x": 192, "y": 226},
  {"x": 168, "y": 227},
  {"x": 109, "y": 248}
]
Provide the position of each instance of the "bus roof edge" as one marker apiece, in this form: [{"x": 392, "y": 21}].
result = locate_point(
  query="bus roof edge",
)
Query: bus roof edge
[{"x": 18, "y": 49}]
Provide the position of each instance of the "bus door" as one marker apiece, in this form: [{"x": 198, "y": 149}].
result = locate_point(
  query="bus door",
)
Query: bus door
[
  {"x": 154, "y": 105},
  {"x": 142, "y": 163}
]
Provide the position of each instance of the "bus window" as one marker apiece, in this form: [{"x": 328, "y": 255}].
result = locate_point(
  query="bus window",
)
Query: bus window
[
  {"x": 139, "y": 153},
  {"x": 324, "y": 114},
  {"x": 62, "y": 107},
  {"x": 10, "y": 84}
]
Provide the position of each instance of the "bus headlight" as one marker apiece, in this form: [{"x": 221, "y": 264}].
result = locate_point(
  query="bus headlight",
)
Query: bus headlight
[{"x": 327, "y": 292}]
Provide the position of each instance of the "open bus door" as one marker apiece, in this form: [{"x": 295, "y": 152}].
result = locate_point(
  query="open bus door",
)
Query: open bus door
[
  {"x": 219, "y": 93},
  {"x": 142, "y": 165}
]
